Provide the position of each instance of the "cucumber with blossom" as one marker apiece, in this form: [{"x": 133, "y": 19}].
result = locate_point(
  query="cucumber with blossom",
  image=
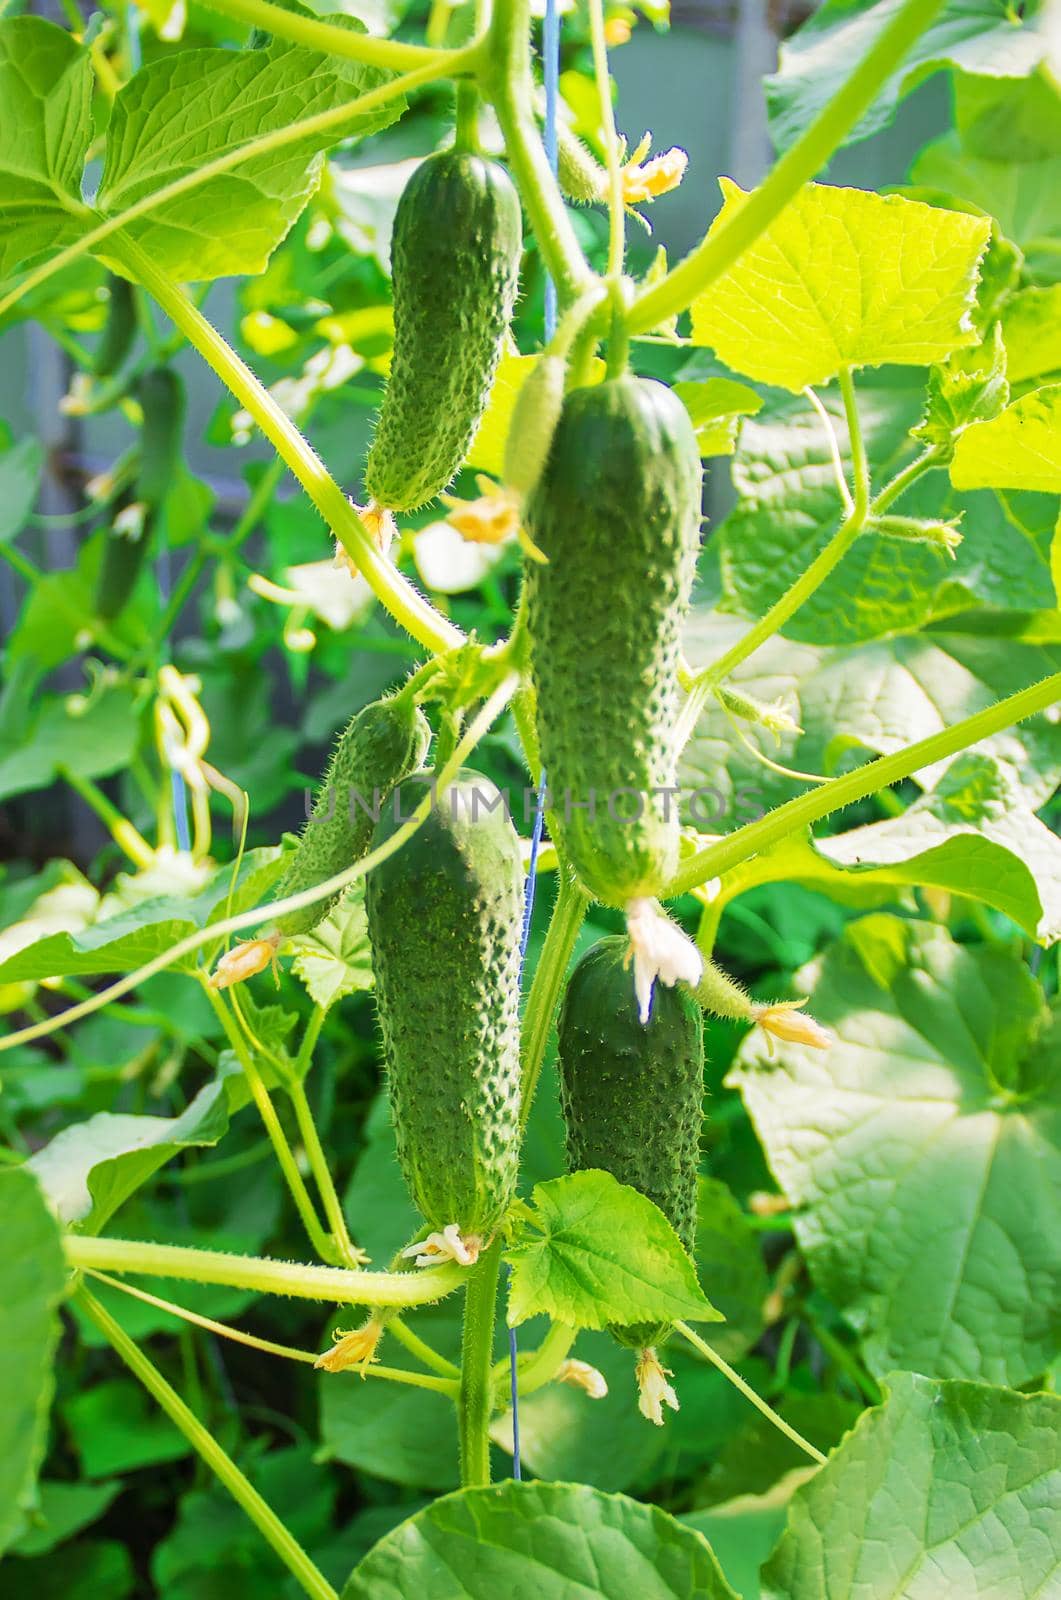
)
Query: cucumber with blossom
[
  {"x": 444, "y": 920},
  {"x": 455, "y": 254},
  {"x": 631, "y": 1095},
  {"x": 616, "y": 514}
]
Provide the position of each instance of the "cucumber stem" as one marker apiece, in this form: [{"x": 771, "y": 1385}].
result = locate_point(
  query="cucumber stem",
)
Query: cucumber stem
[
  {"x": 748, "y": 1392},
  {"x": 569, "y": 911},
  {"x": 246, "y": 1496},
  {"x": 475, "y": 1402}
]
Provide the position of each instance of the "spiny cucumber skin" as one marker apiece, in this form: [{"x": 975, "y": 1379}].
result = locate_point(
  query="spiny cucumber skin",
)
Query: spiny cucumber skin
[
  {"x": 379, "y": 746},
  {"x": 631, "y": 1094},
  {"x": 617, "y": 514},
  {"x": 455, "y": 255},
  {"x": 534, "y": 418},
  {"x": 444, "y": 918}
]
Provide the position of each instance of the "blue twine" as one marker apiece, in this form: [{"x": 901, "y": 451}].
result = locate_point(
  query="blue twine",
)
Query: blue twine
[{"x": 551, "y": 51}]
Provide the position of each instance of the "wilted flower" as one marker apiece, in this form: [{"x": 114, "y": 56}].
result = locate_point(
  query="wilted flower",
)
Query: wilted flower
[
  {"x": 783, "y": 1019},
  {"x": 654, "y": 1392},
  {"x": 660, "y": 950},
  {"x": 355, "y": 1349},
  {"x": 445, "y": 1246},
  {"x": 380, "y": 526},
  {"x": 580, "y": 1375},
  {"x": 243, "y": 961}
]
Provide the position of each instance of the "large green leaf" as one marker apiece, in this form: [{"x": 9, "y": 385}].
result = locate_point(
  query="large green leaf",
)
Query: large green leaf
[
  {"x": 1031, "y": 331},
  {"x": 1019, "y": 449},
  {"x": 62, "y": 734},
  {"x": 978, "y": 36},
  {"x": 89, "y": 1169},
  {"x": 596, "y": 1252},
  {"x": 843, "y": 278},
  {"x": 789, "y": 508},
  {"x": 742, "y": 1532},
  {"x": 1024, "y": 197},
  {"x": 46, "y": 93},
  {"x": 948, "y": 1491},
  {"x": 557, "y": 1541},
  {"x": 852, "y": 701},
  {"x": 34, "y": 1273},
  {"x": 181, "y": 112},
  {"x": 923, "y": 1150},
  {"x": 969, "y": 834},
  {"x": 124, "y": 942}
]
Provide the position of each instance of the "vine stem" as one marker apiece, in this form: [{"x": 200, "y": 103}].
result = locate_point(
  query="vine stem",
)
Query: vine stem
[
  {"x": 325, "y": 36},
  {"x": 805, "y": 809},
  {"x": 277, "y": 1137},
  {"x": 420, "y": 1288},
  {"x": 475, "y": 1402},
  {"x": 810, "y": 153},
  {"x": 125, "y": 835},
  {"x": 268, "y": 1347},
  {"x": 507, "y": 79},
  {"x": 405, "y": 603},
  {"x": 539, "y": 1368},
  {"x": 422, "y": 1350},
  {"x": 203, "y": 1442},
  {"x": 245, "y": 920},
  {"x": 616, "y": 214},
  {"x": 564, "y": 924},
  {"x": 748, "y": 1392},
  {"x": 331, "y": 121}
]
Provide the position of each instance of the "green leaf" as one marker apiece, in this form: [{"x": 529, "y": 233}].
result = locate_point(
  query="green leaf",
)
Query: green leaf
[
  {"x": 89, "y": 1169},
  {"x": 601, "y": 1253},
  {"x": 789, "y": 508},
  {"x": 116, "y": 1427},
  {"x": 972, "y": 835},
  {"x": 922, "y": 1150},
  {"x": 862, "y": 280},
  {"x": 849, "y": 701},
  {"x": 65, "y": 735},
  {"x": 62, "y": 1509},
  {"x": 978, "y": 36},
  {"x": 124, "y": 942},
  {"x": 971, "y": 386},
  {"x": 1031, "y": 331},
  {"x": 1024, "y": 197},
  {"x": 729, "y": 1261},
  {"x": 480, "y": 1543},
  {"x": 35, "y": 1278},
  {"x": 946, "y": 1491},
  {"x": 20, "y": 476},
  {"x": 742, "y": 1532},
  {"x": 716, "y": 407},
  {"x": 91, "y": 1569},
  {"x": 335, "y": 959},
  {"x": 166, "y": 124},
  {"x": 1019, "y": 449},
  {"x": 46, "y": 92}
]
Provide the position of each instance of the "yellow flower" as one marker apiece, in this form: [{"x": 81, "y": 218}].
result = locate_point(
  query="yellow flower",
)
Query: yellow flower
[
  {"x": 783, "y": 1020},
  {"x": 492, "y": 519},
  {"x": 243, "y": 961},
  {"x": 617, "y": 30},
  {"x": 580, "y": 1375},
  {"x": 647, "y": 180},
  {"x": 380, "y": 526},
  {"x": 355, "y": 1349}
]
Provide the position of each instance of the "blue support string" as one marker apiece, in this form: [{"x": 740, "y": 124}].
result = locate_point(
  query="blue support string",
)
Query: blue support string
[{"x": 551, "y": 53}]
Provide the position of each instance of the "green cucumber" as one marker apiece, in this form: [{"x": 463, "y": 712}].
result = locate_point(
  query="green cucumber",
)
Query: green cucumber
[
  {"x": 455, "y": 255},
  {"x": 535, "y": 416},
  {"x": 119, "y": 330},
  {"x": 444, "y": 918},
  {"x": 616, "y": 513},
  {"x": 631, "y": 1093},
  {"x": 379, "y": 746},
  {"x": 160, "y": 392}
]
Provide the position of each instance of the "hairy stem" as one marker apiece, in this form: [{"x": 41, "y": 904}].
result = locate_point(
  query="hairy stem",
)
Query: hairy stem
[
  {"x": 748, "y": 1392},
  {"x": 805, "y": 809},
  {"x": 325, "y": 36},
  {"x": 613, "y": 162},
  {"x": 203, "y": 1442},
  {"x": 476, "y": 1397},
  {"x": 796, "y": 167},
  {"x": 335, "y": 1284}
]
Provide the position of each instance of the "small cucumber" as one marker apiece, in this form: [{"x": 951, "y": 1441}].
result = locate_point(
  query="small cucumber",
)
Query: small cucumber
[
  {"x": 616, "y": 513},
  {"x": 535, "y": 416},
  {"x": 631, "y": 1093},
  {"x": 162, "y": 401},
  {"x": 455, "y": 255},
  {"x": 379, "y": 746},
  {"x": 119, "y": 330},
  {"x": 444, "y": 919}
]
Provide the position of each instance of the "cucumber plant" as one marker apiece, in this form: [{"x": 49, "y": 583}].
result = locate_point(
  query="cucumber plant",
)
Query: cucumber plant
[{"x": 786, "y": 787}]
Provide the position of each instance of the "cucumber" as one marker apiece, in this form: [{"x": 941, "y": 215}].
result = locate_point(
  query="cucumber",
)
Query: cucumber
[
  {"x": 162, "y": 401},
  {"x": 444, "y": 919},
  {"x": 380, "y": 745},
  {"x": 616, "y": 513},
  {"x": 535, "y": 416},
  {"x": 119, "y": 330},
  {"x": 455, "y": 255},
  {"x": 631, "y": 1093}
]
